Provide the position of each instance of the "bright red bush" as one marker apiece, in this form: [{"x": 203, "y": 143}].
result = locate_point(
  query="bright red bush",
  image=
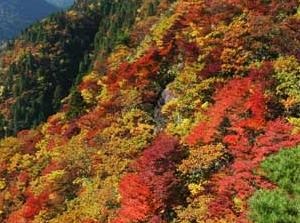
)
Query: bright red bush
[
  {"x": 134, "y": 74},
  {"x": 32, "y": 206},
  {"x": 239, "y": 180},
  {"x": 136, "y": 199},
  {"x": 241, "y": 100},
  {"x": 235, "y": 90},
  {"x": 149, "y": 190},
  {"x": 23, "y": 177},
  {"x": 249, "y": 138}
]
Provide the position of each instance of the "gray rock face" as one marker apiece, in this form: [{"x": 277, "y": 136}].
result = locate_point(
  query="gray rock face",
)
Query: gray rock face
[{"x": 165, "y": 97}]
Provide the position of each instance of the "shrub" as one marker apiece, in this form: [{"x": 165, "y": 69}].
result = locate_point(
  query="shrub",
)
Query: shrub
[
  {"x": 287, "y": 74},
  {"x": 282, "y": 204},
  {"x": 153, "y": 188},
  {"x": 284, "y": 169},
  {"x": 274, "y": 206}
]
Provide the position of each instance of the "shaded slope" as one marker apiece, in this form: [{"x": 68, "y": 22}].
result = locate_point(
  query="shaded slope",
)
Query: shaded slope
[
  {"x": 39, "y": 68},
  {"x": 50, "y": 57}
]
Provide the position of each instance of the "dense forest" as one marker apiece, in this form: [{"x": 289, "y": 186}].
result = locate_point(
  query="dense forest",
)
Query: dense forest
[{"x": 170, "y": 111}]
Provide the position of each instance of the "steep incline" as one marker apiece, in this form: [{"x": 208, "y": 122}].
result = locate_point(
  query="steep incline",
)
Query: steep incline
[
  {"x": 226, "y": 147},
  {"x": 39, "y": 68}
]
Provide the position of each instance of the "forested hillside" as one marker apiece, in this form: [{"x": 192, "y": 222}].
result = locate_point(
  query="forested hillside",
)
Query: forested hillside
[
  {"x": 153, "y": 111},
  {"x": 16, "y": 15},
  {"x": 41, "y": 66}
]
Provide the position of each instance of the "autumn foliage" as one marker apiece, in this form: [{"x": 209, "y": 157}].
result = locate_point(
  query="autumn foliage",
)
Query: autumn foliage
[
  {"x": 172, "y": 121},
  {"x": 31, "y": 207},
  {"x": 241, "y": 100},
  {"x": 249, "y": 138},
  {"x": 148, "y": 192}
]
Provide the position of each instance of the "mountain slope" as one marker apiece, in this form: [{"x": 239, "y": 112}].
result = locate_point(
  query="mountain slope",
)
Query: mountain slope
[
  {"x": 189, "y": 112},
  {"x": 41, "y": 65},
  {"x": 16, "y": 15}
]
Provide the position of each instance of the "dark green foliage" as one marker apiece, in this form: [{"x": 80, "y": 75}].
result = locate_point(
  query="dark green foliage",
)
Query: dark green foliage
[
  {"x": 274, "y": 206},
  {"x": 280, "y": 205},
  {"x": 3, "y": 129},
  {"x": 38, "y": 82},
  {"x": 117, "y": 18},
  {"x": 284, "y": 169},
  {"x": 76, "y": 105},
  {"x": 151, "y": 9}
]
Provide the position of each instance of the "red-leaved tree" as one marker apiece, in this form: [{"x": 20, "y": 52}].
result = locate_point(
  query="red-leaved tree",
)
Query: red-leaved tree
[{"x": 149, "y": 192}]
